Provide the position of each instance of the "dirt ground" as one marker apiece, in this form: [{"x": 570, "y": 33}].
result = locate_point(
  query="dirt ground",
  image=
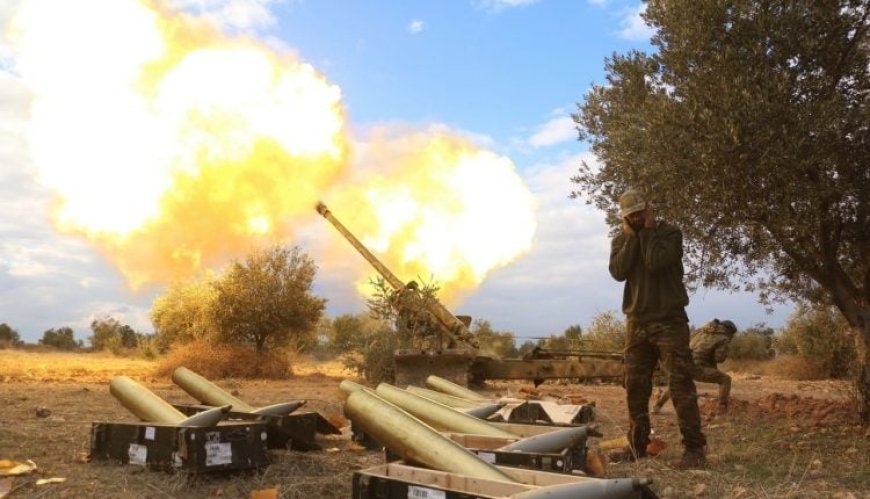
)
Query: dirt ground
[{"x": 781, "y": 439}]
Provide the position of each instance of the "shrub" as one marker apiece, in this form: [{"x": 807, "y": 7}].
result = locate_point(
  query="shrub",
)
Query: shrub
[
  {"x": 526, "y": 348},
  {"x": 181, "y": 314},
  {"x": 223, "y": 360},
  {"x": 351, "y": 332},
  {"x": 499, "y": 344},
  {"x": 750, "y": 346},
  {"x": 62, "y": 338},
  {"x": 9, "y": 337},
  {"x": 146, "y": 346},
  {"x": 605, "y": 334},
  {"x": 376, "y": 363},
  {"x": 822, "y": 337},
  {"x": 798, "y": 367},
  {"x": 110, "y": 334}
]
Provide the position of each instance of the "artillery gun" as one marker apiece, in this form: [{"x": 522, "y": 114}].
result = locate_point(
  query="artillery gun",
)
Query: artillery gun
[{"x": 452, "y": 352}]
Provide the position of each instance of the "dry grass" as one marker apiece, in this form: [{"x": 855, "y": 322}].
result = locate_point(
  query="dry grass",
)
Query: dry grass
[
  {"x": 219, "y": 361},
  {"x": 783, "y": 439},
  {"x": 18, "y": 365},
  {"x": 783, "y": 446},
  {"x": 784, "y": 366},
  {"x": 334, "y": 368}
]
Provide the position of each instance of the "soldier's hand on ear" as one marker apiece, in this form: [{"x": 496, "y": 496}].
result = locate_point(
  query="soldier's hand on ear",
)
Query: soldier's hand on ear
[
  {"x": 626, "y": 228},
  {"x": 650, "y": 221}
]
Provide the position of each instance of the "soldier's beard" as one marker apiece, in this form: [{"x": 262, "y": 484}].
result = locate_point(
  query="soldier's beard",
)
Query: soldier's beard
[{"x": 636, "y": 226}]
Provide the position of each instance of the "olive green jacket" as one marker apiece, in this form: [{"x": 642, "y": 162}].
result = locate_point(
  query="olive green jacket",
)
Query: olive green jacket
[
  {"x": 651, "y": 264},
  {"x": 709, "y": 345}
]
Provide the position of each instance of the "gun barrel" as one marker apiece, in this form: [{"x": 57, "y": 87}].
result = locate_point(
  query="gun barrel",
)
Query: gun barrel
[
  {"x": 391, "y": 278},
  {"x": 449, "y": 324}
]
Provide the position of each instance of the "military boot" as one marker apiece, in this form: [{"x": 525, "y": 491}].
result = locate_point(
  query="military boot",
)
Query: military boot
[{"x": 694, "y": 458}]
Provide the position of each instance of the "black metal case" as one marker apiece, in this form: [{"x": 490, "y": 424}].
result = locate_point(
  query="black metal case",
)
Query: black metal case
[
  {"x": 295, "y": 431},
  {"x": 229, "y": 446}
]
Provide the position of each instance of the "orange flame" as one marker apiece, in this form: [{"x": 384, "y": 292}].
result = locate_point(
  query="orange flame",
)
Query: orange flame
[
  {"x": 170, "y": 146},
  {"x": 173, "y": 147},
  {"x": 436, "y": 206}
]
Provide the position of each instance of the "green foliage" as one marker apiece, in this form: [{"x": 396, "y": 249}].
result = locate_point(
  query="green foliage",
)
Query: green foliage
[
  {"x": 754, "y": 343},
  {"x": 571, "y": 339},
  {"x": 347, "y": 334},
  {"x": 376, "y": 362},
  {"x": 748, "y": 129},
  {"x": 401, "y": 320},
  {"x": 574, "y": 332},
  {"x": 146, "y": 346},
  {"x": 351, "y": 332},
  {"x": 9, "y": 338},
  {"x": 606, "y": 333},
  {"x": 407, "y": 310},
  {"x": 822, "y": 335},
  {"x": 775, "y": 92},
  {"x": 129, "y": 338},
  {"x": 62, "y": 338},
  {"x": 182, "y": 313},
  {"x": 555, "y": 342},
  {"x": 266, "y": 301},
  {"x": 499, "y": 344},
  {"x": 110, "y": 334},
  {"x": 526, "y": 348}
]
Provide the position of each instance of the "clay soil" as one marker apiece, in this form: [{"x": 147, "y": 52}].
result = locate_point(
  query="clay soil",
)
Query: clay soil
[{"x": 781, "y": 438}]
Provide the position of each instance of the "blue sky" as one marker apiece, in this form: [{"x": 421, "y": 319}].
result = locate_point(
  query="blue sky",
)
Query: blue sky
[
  {"x": 505, "y": 74},
  {"x": 497, "y": 72}
]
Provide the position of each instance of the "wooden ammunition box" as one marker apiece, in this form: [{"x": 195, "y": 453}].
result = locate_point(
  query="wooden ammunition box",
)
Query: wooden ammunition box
[{"x": 402, "y": 481}]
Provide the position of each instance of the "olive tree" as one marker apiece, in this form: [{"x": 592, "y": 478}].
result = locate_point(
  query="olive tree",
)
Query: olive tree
[
  {"x": 498, "y": 343},
  {"x": 748, "y": 126},
  {"x": 9, "y": 337},
  {"x": 110, "y": 334},
  {"x": 62, "y": 338},
  {"x": 266, "y": 300},
  {"x": 183, "y": 312},
  {"x": 351, "y": 332}
]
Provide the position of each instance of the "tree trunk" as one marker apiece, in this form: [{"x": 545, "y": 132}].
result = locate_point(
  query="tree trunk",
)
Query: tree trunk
[
  {"x": 261, "y": 344},
  {"x": 855, "y": 307},
  {"x": 862, "y": 342}
]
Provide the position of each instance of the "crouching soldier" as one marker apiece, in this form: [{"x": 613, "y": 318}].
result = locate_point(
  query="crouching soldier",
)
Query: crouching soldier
[{"x": 709, "y": 347}]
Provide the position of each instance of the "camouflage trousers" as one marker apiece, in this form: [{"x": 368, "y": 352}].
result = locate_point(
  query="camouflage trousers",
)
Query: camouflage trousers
[
  {"x": 645, "y": 345},
  {"x": 707, "y": 374}
]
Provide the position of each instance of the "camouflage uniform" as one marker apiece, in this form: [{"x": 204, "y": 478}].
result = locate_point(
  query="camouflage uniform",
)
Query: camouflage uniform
[
  {"x": 654, "y": 301},
  {"x": 709, "y": 347}
]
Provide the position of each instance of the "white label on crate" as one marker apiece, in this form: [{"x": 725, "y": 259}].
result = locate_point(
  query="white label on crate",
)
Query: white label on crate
[
  {"x": 415, "y": 492},
  {"x": 218, "y": 453},
  {"x": 149, "y": 433},
  {"x": 138, "y": 454},
  {"x": 487, "y": 456}
]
